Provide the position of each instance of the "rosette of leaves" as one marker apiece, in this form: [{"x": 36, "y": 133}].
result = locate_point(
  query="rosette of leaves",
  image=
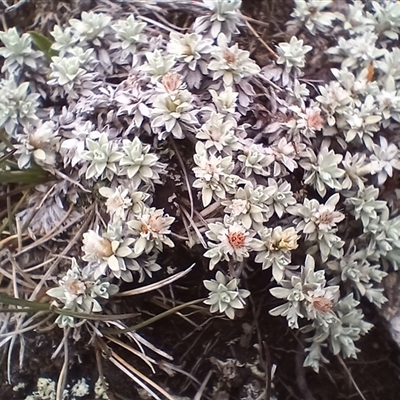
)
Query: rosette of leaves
[
  {"x": 225, "y": 296},
  {"x": 79, "y": 292}
]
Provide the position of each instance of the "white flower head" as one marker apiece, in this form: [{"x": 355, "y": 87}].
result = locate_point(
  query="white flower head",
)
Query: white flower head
[
  {"x": 189, "y": 48},
  {"x": 231, "y": 63},
  {"x": 66, "y": 71},
  {"x": 64, "y": 39},
  {"x": 386, "y": 18},
  {"x": 174, "y": 112},
  {"x": 362, "y": 122},
  {"x": 228, "y": 241},
  {"x": 17, "y": 51},
  {"x": 319, "y": 223},
  {"x": 306, "y": 295},
  {"x": 78, "y": 291},
  {"x": 389, "y": 64},
  {"x": 273, "y": 250},
  {"x": 225, "y": 18},
  {"x": 213, "y": 174},
  {"x": 279, "y": 197},
  {"x": 357, "y": 51},
  {"x": 357, "y": 166},
  {"x": 91, "y": 27},
  {"x": 151, "y": 229},
  {"x": 223, "y": 7},
  {"x": 192, "y": 51},
  {"x": 131, "y": 99},
  {"x": 321, "y": 302},
  {"x": 357, "y": 20},
  {"x": 129, "y": 32},
  {"x": 366, "y": 206},
  {"x": 315, "y": 218},
  {"x": 386, "y": 158},
  {"x": 292, "y": 54},
  {"x": 17, "y": 106},
  {"x": 305, "y": 122},
  {"x": 322, "y": 170},
  {"x": 85, "y": 57},
  {"x": 40, "y": 144},
  {"x": 95, "y": 247},
  {"x": 254, "y": 161},
  {"x": 103, "y": 157},
  {"x": 225, "y": 101},
  {"x": 219, "y": 134},
  {"x": 282, "y": 155},
  {"x": 158, "y": 65},
  {"x": 334, "y": 99},
  {"x": 118, "y": 201},
  {"x": 140, "y": 200},
  {"x": 73, "y": 145},
  {"x": 313, "y": 14},
  {"x": 138, "y": 163},
  {"x": 248, "y": 206},
  {"x": 113, "y": 250},
  {"x": 326, "y": 217},
  {"x": 299, "y": 90}
]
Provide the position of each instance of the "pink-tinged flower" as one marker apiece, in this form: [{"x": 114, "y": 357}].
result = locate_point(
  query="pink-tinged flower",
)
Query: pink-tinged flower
[
  {"x": 231, "y": 63},
  {"x": 325, "y": 217},
  {"x": 228, "y": 241},
  {"x": 78, "y": 291},
  {"x": 151, "y": 229},
  {"x": 117, "y": 202},
  {"x": 321, "y": 302},
  {"x": 317, "y": 218}
]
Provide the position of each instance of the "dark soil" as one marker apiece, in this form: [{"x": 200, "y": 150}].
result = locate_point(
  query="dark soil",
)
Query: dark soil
[{"x": 247, "y": 347}]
